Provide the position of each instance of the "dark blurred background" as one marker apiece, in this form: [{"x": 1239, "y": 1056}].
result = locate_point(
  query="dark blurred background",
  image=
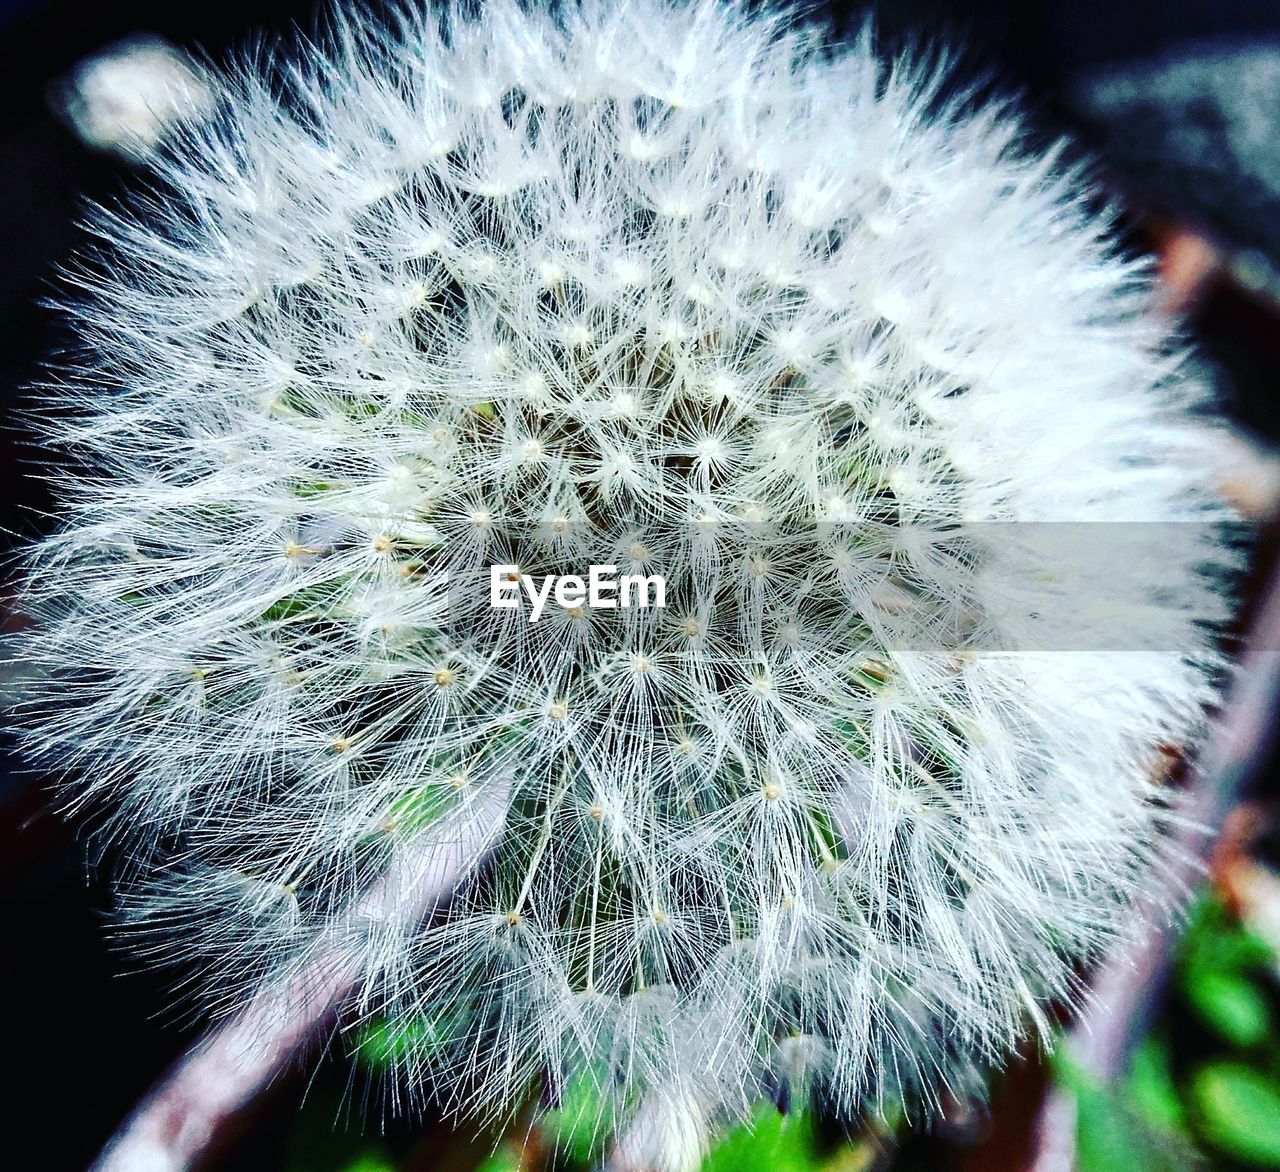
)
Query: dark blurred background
[{"x": 1179, "y": 100}]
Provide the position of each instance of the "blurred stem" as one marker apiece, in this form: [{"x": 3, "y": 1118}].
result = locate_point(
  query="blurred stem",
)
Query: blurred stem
[
  {"x": 187, "y": 1111},
  {"x": 1127, "y": 988},
  {"x": 181, "y": 1116}
]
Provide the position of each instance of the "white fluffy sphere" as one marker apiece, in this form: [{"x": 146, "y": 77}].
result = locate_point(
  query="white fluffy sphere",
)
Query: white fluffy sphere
[{"x": 681, "y": 290}]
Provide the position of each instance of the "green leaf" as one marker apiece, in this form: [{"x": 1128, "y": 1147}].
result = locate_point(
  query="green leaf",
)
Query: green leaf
[
  {"x": 369, "y": 1163},
  {"x": 1152, "y": 1089},
  {"x": 1239, "y": 1110},
  {"x": 501, "y": 1161},
  {"x": 384, "y": 1043},
  {"x": 1230, "y": 1004},
  {"x": 420, "y": 807},
  {"x": 1214, "y": 939},
  {"x": 1112, "y": 1133},
  {"x": 771, "y": 1142},
  {"x": 584, "y": 1119},
  {"x": 1105, "y": 1138}
]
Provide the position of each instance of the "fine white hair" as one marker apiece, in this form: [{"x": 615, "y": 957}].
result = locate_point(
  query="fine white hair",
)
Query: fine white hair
[{"x": 685, "y": 289}]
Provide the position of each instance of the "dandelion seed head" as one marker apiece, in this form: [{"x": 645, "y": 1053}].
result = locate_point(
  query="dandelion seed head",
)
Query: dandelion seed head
[{"x": 679, "y": 288}]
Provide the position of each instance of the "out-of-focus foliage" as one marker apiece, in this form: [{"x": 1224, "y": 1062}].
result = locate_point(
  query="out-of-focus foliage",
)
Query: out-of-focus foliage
[
  {"x": 572, "y": 1137},
  {"x": 503, "y": 1160},
  {"x": 580, "y": 1126},
  {"x": 1204, "y": 1088},
  {"x": 773, "y": 1142},
  {"x": 1222, "y": 974},
  {"x": 1136, "y": 1126},
  {"x": 1239, "y": 1109},
  {"x": 1203, "y": 1091}
]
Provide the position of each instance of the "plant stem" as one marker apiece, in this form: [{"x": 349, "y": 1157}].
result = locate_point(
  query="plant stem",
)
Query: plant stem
[
  {"x": 1127, "y": 988},
  {"x": 190, "y": 1107}
]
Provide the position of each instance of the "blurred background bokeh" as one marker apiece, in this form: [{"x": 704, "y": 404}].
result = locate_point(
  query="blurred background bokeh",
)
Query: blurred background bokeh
[{"x": 1178, "y": 101}]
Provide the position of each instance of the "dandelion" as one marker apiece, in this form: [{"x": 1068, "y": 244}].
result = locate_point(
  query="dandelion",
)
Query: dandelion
[{"x": 676, "y": 289}]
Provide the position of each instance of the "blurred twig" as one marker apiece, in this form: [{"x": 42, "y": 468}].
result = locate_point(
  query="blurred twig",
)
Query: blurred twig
[
  {"x": 202, "y": 1093},
  {"x": 1126, "y": 989}
]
